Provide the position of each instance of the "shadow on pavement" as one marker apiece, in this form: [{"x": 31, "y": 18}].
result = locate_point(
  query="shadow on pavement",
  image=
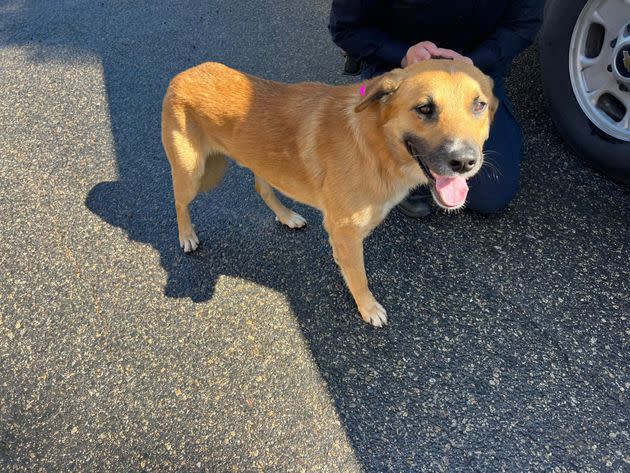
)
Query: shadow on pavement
[{"x": 489, "y": 361}]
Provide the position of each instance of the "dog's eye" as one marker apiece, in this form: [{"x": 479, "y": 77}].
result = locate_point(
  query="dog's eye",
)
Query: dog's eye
[
  {"x": 426, "y": 109},
  {"x": 479, "y": 107}
]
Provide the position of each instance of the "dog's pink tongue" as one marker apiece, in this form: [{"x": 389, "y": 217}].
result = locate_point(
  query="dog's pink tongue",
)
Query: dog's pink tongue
[{"x": 452, "y": 190}]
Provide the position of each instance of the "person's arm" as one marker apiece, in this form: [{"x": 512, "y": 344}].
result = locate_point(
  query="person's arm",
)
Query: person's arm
[
  {"x": 353, "y": 26},
  {"x": 517, "y": 31}
]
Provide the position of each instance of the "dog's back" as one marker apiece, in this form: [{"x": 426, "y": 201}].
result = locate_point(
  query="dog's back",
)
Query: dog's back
[{"x": 262, "y": 124}]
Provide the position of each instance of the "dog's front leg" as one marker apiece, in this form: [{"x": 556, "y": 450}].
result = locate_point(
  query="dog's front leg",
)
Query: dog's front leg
[{"x": 347, "y": 245}]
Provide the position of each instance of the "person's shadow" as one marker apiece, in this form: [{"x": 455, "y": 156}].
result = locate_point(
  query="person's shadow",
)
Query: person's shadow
[{"x": 402, "y": 392}]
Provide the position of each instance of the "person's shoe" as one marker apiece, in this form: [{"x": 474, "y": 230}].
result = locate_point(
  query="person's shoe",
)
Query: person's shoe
[
  {"x": 416, "y": 205},
  {"x": 352, "y": 65}
]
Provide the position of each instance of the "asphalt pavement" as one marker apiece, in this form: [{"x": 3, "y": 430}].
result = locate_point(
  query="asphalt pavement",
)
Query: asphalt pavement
[{"x": 508, "y": 345}]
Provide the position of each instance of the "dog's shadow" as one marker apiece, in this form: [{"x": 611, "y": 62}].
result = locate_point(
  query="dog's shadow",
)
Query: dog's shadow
[
  {"x": 239, "y": 238},
  {"x": 238, "y": 234}
]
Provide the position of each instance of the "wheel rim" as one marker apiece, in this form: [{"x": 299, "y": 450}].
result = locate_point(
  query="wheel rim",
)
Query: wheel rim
[{"x": 599, "y": 65}]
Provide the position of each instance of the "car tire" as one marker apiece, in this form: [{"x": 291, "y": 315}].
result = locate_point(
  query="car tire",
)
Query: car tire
[{"x": 606, "y": 153}]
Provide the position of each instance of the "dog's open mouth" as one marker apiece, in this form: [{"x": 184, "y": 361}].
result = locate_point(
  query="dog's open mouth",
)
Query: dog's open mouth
[{"x": 448, "y": 191}]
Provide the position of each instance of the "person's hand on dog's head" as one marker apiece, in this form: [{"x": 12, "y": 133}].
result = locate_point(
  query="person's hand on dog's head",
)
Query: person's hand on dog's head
[
  {"x": 418, "y": 52},
  {"x": 428, "y": 50}
]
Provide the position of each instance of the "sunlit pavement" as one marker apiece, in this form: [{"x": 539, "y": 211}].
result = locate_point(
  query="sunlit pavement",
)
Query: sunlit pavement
[{"x": 508, "y": 344}]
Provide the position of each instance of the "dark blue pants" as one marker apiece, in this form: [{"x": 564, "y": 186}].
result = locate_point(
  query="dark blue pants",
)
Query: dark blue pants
[{"x": 497, "y": 182}]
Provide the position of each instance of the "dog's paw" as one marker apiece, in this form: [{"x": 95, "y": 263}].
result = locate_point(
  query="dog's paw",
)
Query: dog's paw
[
  {"x": 189, "y": 243},
  {"x": 292, "y": 220},
  {"x": 374, "y": 314}
]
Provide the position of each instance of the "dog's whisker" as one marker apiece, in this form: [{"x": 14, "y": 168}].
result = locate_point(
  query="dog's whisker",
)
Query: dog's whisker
[
  {"x": 493, "y": 169},
  {"x": 491, "y": 151},
  {"x": 489, "y": 163}
]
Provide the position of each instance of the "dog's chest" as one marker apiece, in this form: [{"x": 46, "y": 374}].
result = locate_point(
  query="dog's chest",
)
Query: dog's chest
[
  {"x": 393, "y": 201},
  {"x": 412, "y": 178}
]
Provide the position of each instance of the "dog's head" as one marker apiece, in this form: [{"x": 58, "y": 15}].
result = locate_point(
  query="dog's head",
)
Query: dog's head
[{"x": 437, "y": 113}]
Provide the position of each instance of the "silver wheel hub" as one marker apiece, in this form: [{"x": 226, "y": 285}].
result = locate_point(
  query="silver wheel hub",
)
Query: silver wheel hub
[
  {"x": 621, "y": 63},
  {"x": 599, "y": 65}
]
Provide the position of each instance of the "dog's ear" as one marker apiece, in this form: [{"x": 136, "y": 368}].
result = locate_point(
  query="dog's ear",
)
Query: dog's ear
[
  {"x": 493, "y": 104},
  {"x": 380, "y": 88}
]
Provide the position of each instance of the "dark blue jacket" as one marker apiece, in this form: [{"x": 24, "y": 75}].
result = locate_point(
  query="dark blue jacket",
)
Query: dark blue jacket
[{"x": 490, "y": 32}]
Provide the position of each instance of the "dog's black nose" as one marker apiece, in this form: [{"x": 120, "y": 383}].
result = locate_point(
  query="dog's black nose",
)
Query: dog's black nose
[
  {"x": 462, "y": 165},
  {"x": 461, "y": 156}
]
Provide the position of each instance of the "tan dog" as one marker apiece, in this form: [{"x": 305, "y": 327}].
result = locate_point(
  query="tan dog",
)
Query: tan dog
[{"x": 352, "y": 152}]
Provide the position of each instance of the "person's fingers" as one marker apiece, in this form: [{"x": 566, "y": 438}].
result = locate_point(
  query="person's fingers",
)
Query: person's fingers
[
  {"x": 419, "y": 54},
  {"x": 426, "y": 50},
  {"x": 424, "y": 54},
  {"x": 445, "y": 53},
  {"x": 429, "y": 46},
  {"x": 450, "y": 54}
]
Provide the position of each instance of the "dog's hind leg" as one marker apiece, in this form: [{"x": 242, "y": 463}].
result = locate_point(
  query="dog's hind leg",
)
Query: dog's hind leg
[
  {"x": 200, "y": 175},
  {"x": 288, "y": 217},
  {"x": 187, "y": 170},
  {"x": 185, "y": 189}
]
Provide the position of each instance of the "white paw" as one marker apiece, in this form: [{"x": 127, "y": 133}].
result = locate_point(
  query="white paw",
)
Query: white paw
[
  {"x": 294, "y": 220},
  {"x": 374, "y": 314},
  {"x": 189, "y": 243}
]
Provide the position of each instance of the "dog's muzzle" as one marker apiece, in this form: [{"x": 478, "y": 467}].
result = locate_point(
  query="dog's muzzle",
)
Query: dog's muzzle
[{"x": 447, "y": 169}]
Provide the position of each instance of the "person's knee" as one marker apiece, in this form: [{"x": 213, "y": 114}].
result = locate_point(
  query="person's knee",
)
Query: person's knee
[
  {"x": 493, "y": 198},
  {"x": 496, "y": 185},
  {"x": 495, "y": 205}
]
